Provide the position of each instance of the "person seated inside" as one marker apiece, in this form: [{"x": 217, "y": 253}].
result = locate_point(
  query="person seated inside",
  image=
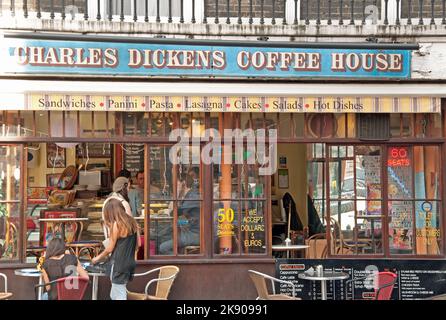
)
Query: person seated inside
[
  {"x": 188, "y": 220},
  {"x": 59, "y": 263}
]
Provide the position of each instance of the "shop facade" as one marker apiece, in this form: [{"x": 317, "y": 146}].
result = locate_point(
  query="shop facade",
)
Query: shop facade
[{"x": 350, "y": 131}]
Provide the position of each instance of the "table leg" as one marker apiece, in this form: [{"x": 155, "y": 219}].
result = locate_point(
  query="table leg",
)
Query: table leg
[
  {"x": 40, "y": 291},
  {"x": 324, "y": 289},
  {"x": 94, "y": 288}
]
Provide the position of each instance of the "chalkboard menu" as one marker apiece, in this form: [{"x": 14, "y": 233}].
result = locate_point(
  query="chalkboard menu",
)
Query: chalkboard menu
[
  {"x": 416, "y": 279},
  {"x": 133, "y": 152}
]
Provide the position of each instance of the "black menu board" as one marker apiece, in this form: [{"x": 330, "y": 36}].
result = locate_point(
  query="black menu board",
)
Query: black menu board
[
  {"x": 133, "y": 152},
  {"x": 416, "y": 279}
]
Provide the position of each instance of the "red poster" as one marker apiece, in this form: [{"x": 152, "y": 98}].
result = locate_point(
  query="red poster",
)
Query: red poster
[{"x": 66, "y": 230}]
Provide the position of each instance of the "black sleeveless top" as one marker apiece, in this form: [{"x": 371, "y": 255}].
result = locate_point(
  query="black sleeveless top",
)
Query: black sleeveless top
[
  {"x": 123, "y": 260},
  {"x": 59, "y": 268}
]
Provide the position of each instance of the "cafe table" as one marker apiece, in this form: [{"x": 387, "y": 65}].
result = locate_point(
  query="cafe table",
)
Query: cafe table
[
  {"x": 323, "y": 277},
  {"x": 289, "y": 248},
  {"x": 35, "y": 273},
  {"x": 32, "y": 273}
]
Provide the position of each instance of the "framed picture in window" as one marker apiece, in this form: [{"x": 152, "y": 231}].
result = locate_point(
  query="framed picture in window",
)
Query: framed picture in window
[
  {"x": 283, "y": 178},
  {"x": 52, "y": 179},
  {"x": 56, "y": 157}
]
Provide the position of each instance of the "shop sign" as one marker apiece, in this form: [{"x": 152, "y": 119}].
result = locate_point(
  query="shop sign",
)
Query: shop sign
[
  {"x": 23, "y": 56},
  {"x": 65, "y": 102}
]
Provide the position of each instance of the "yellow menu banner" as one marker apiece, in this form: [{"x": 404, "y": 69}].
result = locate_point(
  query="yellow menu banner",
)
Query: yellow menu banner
[{"x": 65, "y": 102}]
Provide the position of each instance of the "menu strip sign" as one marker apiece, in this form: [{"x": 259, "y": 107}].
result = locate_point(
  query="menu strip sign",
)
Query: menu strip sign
[{"x": 416, "y": 279}]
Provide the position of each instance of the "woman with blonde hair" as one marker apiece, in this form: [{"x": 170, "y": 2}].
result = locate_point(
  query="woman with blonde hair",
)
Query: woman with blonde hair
[{"x": 124, "y": 242}]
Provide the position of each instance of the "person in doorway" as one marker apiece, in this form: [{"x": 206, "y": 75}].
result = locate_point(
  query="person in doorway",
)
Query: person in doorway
[
  {"x": 123, "y": 244},
  {"x": 121, "y": 188},
  {"x": 136, "y": 195},
  {"x": 59, "y": 263}
]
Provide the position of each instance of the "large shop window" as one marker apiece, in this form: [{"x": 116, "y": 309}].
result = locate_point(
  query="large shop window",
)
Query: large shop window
[
  {"x": 175, "y": 202},
  {"x": 382, "y": 200},
  {"x": 10, "y": 193}
]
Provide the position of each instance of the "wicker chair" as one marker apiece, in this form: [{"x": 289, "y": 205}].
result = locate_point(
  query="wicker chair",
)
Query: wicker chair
[
  {"x": 318, "y": 246},
  {"x": 5, "y": 295},
  {"x": 166, "y": 277},
  {"x": 259, "y": 280}
]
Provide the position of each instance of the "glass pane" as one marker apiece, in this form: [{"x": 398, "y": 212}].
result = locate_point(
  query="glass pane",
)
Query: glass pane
[
  {"x": 427, "y": 172},
  {"x": 258, "y": 121},
  {"x": 401, "y": 227},
  {"x": 342, "y": 179},
  {"x": 57, "y": 125},
  {"x": 399, "y": 167},
  {"x": 226, "y": 227},
  {"x": 351, "y": 122},
  {"x": 395, "y": 125},
  {"x": 9, "y": 239},
  {"x": 9, "y": 173},
  {"x": 368, "y": 172},
  {"x": 156, "y": 124},
  {"x": 368, "y": 227},
  {"x": 161, "y": 232},
  {"x": 252, "y": 227},
  {"x": 197, "y": 124},
  {"x": 316, "y": 180},
  {"x": 299, "y": 125},
  {"x": 185, "y": 122},
  {"x": 137, "y": 123},
  {"x": 428, "y": 227},
  {"x": 253, "y": 184},
  {"x": 161, "y": 171},
  {"x": 9, "y": 197},
  {"x": 189, "y": 216},
  {"x": 340, "y": 125},
  {"x": 42, "y": 123},
  {"x": 433, "y": 127},
  {"x": 245, "y": 119},
  {"x": 321, "y": 125},
  {"x": 226, "y": 180},
  {"x": 100, "y": 124},
  {"x": 188, "y": 184},
  {"x": 407, "y": 125},
  {"x": 285, "y": 125}
]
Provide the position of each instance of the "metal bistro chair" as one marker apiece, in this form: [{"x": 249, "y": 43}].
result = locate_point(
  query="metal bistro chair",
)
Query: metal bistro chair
[
  {"x": 166, "y": 277},
  {"x": 259, "y": 280},
  {"x": 318, "y": 246},
  {"x": 383, "y": 289},
  {"x": 66, "y": 290},
  {"x": 5, "y": 295}
]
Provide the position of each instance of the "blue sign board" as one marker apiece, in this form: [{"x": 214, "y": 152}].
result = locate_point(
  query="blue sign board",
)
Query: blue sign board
[{"x": 139, "y": 59}]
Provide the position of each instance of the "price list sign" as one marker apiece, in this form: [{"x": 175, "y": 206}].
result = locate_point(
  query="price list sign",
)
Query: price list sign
[{"x": 416, "y": 279}]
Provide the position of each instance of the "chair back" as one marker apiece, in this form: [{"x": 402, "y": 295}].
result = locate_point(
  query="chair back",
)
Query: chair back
[
  {"x": 336, "y": 239},
  {"x": 317, "y": 246},
  {"x": 163, "y": 287},
  {"x": 71, "y": 288},
  {"x": 386, "y": 282},
  {"x": 259, "y": 283}
]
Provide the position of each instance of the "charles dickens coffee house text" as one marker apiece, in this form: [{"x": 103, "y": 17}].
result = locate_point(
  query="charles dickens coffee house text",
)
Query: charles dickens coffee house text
[{"x": 338, "y": 155}]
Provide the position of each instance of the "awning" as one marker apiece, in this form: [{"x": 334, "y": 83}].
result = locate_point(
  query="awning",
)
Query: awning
[
  {"x": 277, "y": 104},
  {"x": 212, "y": 96}
]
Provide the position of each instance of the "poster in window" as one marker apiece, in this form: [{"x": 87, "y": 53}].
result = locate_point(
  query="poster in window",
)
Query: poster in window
[
  {"x": 55, "y": 156},
  {"x": 67, "y": 230},
  {"x": 401, "y": 225},
  {"x": 283, "y": 178}
]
